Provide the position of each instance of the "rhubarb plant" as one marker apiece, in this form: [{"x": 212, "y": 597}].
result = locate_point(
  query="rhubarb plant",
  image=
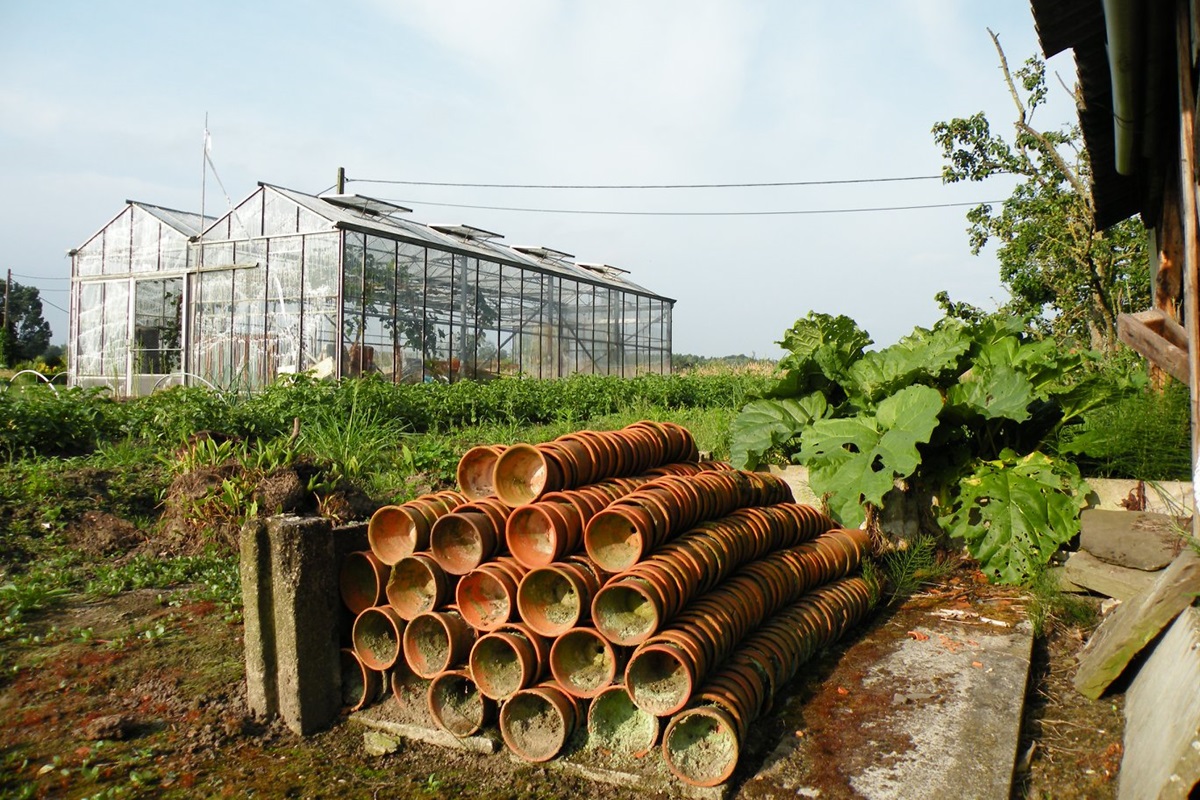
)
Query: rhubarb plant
[{"x": 964, "y": 412}]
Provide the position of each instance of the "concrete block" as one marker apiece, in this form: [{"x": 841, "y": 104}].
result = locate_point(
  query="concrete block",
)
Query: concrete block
[
  {"x": 1162, "y": 718},
  {"x": 1161, "y": 497},
  {"x": 1085, "y": 570},
  {"x": 1138, "y": 539},
  {"x": 1135, "y": 623},
  {"x": 289, "y": 585}
]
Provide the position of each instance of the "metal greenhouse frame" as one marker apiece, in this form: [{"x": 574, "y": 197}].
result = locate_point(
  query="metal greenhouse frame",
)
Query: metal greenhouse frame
[{"x": 343, "y": 285}]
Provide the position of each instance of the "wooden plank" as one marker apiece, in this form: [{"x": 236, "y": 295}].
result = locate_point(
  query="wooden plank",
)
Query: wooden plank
[
  {"x": 1162, "y": 718},
  {"x": 1144, "y": 332},
  {"x": 1135, "y": 623}
]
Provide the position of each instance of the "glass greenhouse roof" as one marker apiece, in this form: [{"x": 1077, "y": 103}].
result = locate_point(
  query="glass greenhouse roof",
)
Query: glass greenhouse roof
[{"x": 543, "y": 259}]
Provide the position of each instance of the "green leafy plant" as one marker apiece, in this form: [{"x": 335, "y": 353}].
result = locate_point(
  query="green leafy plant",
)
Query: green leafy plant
[{"x": 962, "y": 413}]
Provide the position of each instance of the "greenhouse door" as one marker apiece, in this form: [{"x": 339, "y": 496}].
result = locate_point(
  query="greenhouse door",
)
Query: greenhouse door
[{"x": 157, "y": 324}]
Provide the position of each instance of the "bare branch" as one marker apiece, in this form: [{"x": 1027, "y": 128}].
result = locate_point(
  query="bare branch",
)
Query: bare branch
[{"x": 1022, "y": 124}]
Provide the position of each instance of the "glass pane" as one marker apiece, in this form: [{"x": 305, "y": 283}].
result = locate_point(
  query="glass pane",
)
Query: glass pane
[
  {"x": 173, "y": 251},
  {"x": 320, "y": 306},
  {"x": 89, "y": 260},
  {"x": 249, "y": 328},
  {"x": 283, "y": 306},
  {"x": 91, "y": 329},
  {"x": 585, "y": 329},
  {"x": 416, "y": 328},
  {"x": 629, "y": 329},
  {"x": 116, "y": 329},
  {"x": 214, "y": 335},
  {"x": 352, "y": 308},
  {"x": 246, "y": 220},
  {"x": 378, "y": 353},
  {"x": 144, "y": 255},
  {"x": 510, "y": 320},
  {"x": 439, "y": 294},
  {"x": 487, "y": 316},
  {"x": 279, "y": 216},
  {"x": 158, "y": 307},
  {"x": 116, "y": 244},
  {"x": 312, "y": 223}
]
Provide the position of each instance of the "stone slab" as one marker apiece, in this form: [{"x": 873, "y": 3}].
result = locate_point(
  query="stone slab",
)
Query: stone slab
[
  {"x": 1162, "y": 718},
  {"x": 923, "y": 708},
  {"x": 796, "y": 477},
  {"x": 1137, "y": 539},
  {"x": 1135, "y": 623},
  {"x": 1085, "y": 570}
]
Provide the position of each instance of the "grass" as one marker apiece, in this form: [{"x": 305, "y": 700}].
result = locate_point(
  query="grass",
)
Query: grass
[{"x": 1050, "y": 605}]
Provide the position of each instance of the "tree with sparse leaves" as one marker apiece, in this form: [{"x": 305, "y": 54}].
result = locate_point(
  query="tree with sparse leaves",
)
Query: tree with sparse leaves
[{"x": 1070, "y": 278}]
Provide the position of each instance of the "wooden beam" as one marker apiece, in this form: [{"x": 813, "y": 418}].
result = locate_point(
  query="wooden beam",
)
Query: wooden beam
[
  {"x": 1191, "y": 230},
  {"x": 1159, "y": 338}
]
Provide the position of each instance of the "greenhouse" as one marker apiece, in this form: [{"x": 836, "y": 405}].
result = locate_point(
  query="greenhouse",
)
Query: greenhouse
[{"x": 343, "y": 285}]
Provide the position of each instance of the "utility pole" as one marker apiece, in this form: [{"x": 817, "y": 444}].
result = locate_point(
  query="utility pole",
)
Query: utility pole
[
  {"x": 6, "y": 338},
  {"x": 341, "y": 180}
]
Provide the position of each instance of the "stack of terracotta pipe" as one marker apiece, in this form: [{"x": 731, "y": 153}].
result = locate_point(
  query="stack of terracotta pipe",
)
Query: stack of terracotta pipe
[{"x": 607, "y": 579}]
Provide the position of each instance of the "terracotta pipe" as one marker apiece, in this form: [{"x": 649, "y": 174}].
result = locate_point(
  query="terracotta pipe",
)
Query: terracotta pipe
[
  {"x": 583, "y": 662},
  {"x": 487, "y": 596},
  {"x": 505, "y": 661},
  {"x": 361, "y": 580},
  {"x": 536, "y": 723},
  {"x": 418, "y": 584},
  {"x": 619, "y": 726},
  {"x": 456, "y": 704},
  {"x": 396, "y": 531},
  {"x": 556, "y": 598},
  {"x": 361, "y": 685},
  {"x": 702, "y": 744},
  {"x": 475, "y": 470},
  {"x": 436, "y": 641},
  {"x": 376, "y": 636}
]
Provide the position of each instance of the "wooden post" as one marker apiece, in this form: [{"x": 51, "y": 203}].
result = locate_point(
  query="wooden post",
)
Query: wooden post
[
  {"x": 341, "y": 180},
  {"x": 1191, "y": 232}
]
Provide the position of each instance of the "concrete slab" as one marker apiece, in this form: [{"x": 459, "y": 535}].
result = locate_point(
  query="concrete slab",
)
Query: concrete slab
[
  {"x": 1085, "y": 570},
  {"x": 926, "y": 705},
  {"x": 1162, "y": 717},
  {"x": 1163, "y": 497},
  {"x": 1135, "y": 623}
]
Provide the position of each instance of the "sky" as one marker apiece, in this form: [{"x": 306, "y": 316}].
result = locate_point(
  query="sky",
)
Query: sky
[{"x": 104, "y": 101}]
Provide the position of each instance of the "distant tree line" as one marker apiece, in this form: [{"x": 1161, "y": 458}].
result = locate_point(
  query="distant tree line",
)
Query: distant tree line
[{"x": 682, "y": 362}]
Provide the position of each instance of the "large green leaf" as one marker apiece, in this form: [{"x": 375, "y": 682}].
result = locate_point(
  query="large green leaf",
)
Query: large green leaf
[
  {"x": 831, "y": 343},
  {"x": 857, "y": 460},
  {"x": 1015, "y": 512},
  {"x": 922, "y": 355},
  {"x": 993, "y": 391},
  {"x": 763, "y": 424}
]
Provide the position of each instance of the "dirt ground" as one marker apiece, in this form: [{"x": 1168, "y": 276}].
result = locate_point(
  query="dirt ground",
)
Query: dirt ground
[{"x": 142, "y": 695}]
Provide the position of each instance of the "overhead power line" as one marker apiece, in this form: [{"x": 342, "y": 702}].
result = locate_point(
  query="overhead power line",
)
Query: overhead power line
[
  {"x": 38, "y": 277},
  {"x": 770, "y": 184},
  {"x": 800, "y": 212}
]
